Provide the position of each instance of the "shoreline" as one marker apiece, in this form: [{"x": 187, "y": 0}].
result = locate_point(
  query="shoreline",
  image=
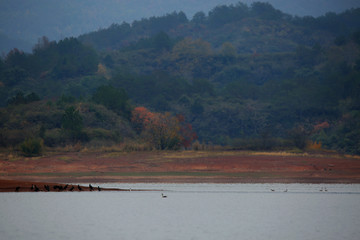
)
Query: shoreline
[
  {"x": 10, "y": 185},
  {"x": 176, "y": 167}
]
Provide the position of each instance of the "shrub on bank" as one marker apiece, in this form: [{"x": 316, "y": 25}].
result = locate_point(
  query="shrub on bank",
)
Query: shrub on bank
[{"x": 31, "y": 147}]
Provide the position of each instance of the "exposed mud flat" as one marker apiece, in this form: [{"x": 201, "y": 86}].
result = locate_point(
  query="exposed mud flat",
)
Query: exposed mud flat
[{"x": 182, "y": 167}]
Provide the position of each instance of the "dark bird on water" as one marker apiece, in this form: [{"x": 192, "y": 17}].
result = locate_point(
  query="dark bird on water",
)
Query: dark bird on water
[
  {"x": 66, "y": 186},
  {"x": 47, "y": 188},
  {"x": 99, "y": 189},
  {"x": 36, "y": 188},
  {"x": 17, "y": 189},
  {"x": 91, "y": 187},
  {"x": 71, "y": 189},
  {"x": 80, "y": 189}
]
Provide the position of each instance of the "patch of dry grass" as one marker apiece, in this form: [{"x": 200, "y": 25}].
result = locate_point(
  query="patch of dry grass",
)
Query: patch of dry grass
[
  {"x": 10, "y": 157},
  {"x": 305, "y": 154},
  {"x": 66, "y": 159},
  {"x": 114, "y": 150},
  {"x": 204, "y": 154},
  {"x": 280, "y": 154},
  {"x": 352, "y": 156}
]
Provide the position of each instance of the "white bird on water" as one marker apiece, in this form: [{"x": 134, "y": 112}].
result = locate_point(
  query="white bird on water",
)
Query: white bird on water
[{"x": 163, "y": 196}]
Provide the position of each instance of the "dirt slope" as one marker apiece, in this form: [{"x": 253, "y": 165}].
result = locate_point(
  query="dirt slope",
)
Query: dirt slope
[{"x": 184, "y": 166}]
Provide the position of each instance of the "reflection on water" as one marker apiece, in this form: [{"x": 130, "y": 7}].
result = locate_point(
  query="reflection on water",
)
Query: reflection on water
[{"x": 191, "y": 211}]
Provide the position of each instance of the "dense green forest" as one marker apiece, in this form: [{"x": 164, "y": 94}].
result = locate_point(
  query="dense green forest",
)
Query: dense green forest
[{"x": 247, "y": 77}]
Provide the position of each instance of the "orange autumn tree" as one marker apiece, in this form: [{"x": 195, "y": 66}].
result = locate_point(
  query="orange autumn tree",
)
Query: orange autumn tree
[
  {"x": 161, "y": 130},
  {"x": 187, "y": 134},
  {"x": 140, "y": 118}
]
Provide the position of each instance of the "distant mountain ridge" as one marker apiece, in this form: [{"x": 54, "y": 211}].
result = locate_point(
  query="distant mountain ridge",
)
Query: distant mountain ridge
[
  {"x": 30, "y": 20},
  {"x": 256, "y": 28}
]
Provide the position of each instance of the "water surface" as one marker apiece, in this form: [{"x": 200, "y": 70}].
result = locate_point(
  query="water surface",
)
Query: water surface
[{"x": 190, "y": 211}]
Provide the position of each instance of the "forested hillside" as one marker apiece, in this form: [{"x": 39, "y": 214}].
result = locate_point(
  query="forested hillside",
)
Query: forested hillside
[
  {"x": 23, "y": 21},
  {"x": 249, "y": 77}
]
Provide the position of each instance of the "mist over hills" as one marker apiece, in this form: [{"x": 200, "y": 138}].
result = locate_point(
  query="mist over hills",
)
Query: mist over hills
[{"x": 24, "y": 21}]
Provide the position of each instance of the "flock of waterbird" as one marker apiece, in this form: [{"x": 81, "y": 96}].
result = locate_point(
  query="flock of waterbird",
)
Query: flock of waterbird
[
  {"x": 59, "y": 188},
  {"x": 67, "y": 187}
]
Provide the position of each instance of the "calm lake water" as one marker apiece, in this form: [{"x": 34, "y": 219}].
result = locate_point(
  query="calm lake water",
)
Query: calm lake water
[{"x": 190, "y": 211}]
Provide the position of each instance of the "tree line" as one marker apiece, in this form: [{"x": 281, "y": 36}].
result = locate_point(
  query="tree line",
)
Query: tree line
[{"x": 245, "y": 77}]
